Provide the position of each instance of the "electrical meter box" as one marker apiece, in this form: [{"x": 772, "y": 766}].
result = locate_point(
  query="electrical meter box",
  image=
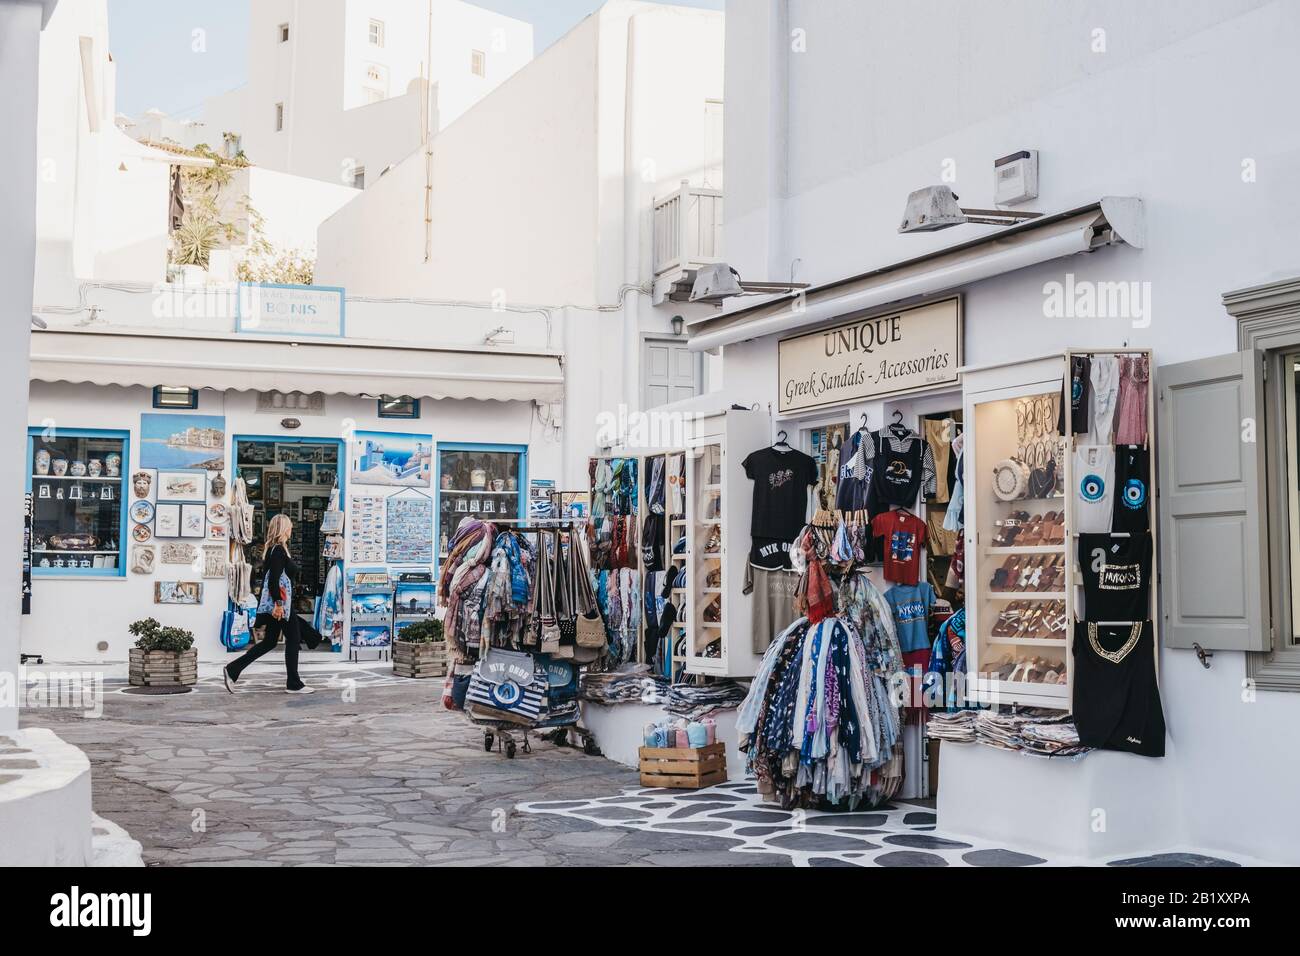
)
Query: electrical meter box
[{"x": 1015, "y": 178}]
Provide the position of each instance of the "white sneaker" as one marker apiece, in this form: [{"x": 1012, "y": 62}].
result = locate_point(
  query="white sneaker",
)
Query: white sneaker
[
  {"x": 301, "y": 690},
  {"x": 225, "y": 676}
]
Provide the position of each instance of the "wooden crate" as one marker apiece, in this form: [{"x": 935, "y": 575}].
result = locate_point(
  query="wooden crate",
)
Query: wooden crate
[
  {"x": 420, "y": 660},
  {"x": 683, "y": 768},
  {"x": 163, "y": 668}
]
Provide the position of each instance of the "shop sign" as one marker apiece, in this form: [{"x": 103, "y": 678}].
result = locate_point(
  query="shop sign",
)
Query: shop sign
[
  {"x": 266, "y": 308},
  {"x": 885, "y": 354}
]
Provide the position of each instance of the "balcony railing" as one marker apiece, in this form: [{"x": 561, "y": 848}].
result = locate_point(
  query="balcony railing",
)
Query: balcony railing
[{"x": 687, "y": 229}]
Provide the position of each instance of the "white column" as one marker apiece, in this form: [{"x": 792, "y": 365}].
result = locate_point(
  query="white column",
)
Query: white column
[{"x": 20, "y": 35}]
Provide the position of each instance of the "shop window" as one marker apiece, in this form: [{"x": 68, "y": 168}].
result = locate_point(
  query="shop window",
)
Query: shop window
[
  {"x": 478, "y": 63},
  {"x": 79, "y": 495},
  {"x": 175, "y": 396},
  {"x": 486, "y": 482},
  {"x": 399, "y": 406}
]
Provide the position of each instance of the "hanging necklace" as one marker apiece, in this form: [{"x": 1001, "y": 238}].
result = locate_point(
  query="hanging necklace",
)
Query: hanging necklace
[{"x": 1115, "y": 656}]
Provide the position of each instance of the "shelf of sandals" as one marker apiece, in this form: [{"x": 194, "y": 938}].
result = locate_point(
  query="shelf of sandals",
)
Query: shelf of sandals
[
  {"x": 1018, "y": 583},
  {"x": 821, "y": 724}
]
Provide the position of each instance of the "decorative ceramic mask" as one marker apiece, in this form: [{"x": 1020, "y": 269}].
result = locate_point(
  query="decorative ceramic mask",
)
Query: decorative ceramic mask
[
  {"x": 95, "y": 467},
  {"x": 42, "y": 462},
  {"x": 78, "y": 469},
  {"x": 141, "y": 482},
  {"x": 113, "y": 462},
  {"x": 218, "y": 485},
  {"x": 59, "y": 466}
]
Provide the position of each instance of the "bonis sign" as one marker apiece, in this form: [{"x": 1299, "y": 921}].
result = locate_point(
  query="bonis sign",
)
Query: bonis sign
[{"x": 887, "y": 354}]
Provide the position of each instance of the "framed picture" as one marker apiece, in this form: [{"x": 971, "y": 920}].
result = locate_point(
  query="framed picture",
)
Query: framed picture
[
  {"x": 252, "y": 482},
  {"x": 326, "y": 474},
  {"x": 167, "y": 520},
  {"x": 218, "y": 532},
  {"x": 188, "y": 485},
  {"x": 392, "y": 458},
  {"x": 178, "y": 592},
  {"x": 194, "y": 521},
  {"x": 173, "y": 441},
  {"x": 273, "y": 488},
  {"x": 256, "y": 453},
  {"x": 301, "y": 472}
]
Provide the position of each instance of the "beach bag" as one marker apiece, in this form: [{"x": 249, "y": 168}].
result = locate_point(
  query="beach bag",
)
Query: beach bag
[
  {"x": 509, "y": 686},
  {"x": 236, "y": 627}
]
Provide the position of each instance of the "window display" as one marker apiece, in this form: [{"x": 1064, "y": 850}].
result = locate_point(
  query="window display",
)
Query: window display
[
  {"x": 478, "y": 481},
  {"x": 78, "y": 502}
]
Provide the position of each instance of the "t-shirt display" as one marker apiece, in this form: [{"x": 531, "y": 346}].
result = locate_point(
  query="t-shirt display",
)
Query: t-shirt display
[
  {"x": 1078, "y": 388},
  {"x": 1132, "y": 488},
  {"x": 902, "y": 534},
  {"x": 904, "y": 465},
  {"x": 1116, "y": 577},
  {"x": 781, "y": 481},
  {"x": 771, "y": 554},
  {"x": 1105, "y": 395},
  {"x": 1094, "y": 479},
  {"x": 911, "y": 605},
  {"x": 1116, "y": 697}
]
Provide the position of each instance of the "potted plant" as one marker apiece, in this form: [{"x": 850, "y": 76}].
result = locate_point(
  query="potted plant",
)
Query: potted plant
[
  {"x": 420, "y": 650},
  {"x": 162, "y": 656}
]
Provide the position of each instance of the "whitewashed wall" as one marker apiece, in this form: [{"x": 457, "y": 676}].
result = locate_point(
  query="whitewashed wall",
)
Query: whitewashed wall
[{"x": 1183, "y": 98}]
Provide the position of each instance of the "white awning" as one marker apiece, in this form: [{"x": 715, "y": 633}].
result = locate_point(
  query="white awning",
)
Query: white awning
[
  {"x": 345, "y": 367},
  {"x": 1109, "y": 220}
]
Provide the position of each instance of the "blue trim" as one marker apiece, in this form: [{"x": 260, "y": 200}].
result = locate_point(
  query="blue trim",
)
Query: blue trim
[
  {"x": 343, "y": 304},
  {"x": 521, "y": 508},
  {"x": 33, "y": 432},
  {"x": 415, "y": 409},
  {"x": 194, "y": 399}
]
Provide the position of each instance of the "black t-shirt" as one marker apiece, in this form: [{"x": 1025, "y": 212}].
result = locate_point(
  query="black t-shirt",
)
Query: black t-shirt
[
  {"x": 781, "y": 480},
  {"x": 1077, "y": 386},
  {"x": 1116, "y": 577},
  {"x": 1116, "y": 699},
  {"x": 1132, "y": 489},
  {"x": 771, "y": 554}
]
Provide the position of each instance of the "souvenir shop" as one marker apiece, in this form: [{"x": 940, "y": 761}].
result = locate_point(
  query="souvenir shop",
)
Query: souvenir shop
[
  {"x": 154, "y": 500},
  {"x": 965, "y": 571}
]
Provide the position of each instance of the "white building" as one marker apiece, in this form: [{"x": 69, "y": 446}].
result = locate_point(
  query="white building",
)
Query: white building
[
  {"x": 837, "y": 111},
  {"x": 340, "y": 89},
  {"x": 559, "y": 195}
]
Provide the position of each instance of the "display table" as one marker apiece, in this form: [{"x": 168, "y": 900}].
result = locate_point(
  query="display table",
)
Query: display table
[
  {"x": 1104, "y": 805},
  {"x": 618, "y": 730}
]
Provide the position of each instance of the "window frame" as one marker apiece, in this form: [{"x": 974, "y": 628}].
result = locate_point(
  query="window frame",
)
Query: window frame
[
  {"x": 124, "y": 501},
  {"x": 1268, "y": 318},
  {"x": 415, "y": 407},
  {"x": 282, "y": 32},
  {"x": 375, "y": 37},
  {"x": 478, "y": 58},
  {"x": 280, "y": 113},
  {"x": 159, "y": 403}
]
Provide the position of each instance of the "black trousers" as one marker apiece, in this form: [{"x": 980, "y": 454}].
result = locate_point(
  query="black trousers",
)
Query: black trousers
[{"x": 267, "y": 644}]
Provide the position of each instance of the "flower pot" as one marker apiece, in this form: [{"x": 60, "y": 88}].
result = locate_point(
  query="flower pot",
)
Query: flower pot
[
  {"x": 163, "y": 668},
  {"x": 428, "y": 659}
]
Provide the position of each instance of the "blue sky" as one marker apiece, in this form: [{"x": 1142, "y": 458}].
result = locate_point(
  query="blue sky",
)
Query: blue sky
[{"x": 158, "y": 67}]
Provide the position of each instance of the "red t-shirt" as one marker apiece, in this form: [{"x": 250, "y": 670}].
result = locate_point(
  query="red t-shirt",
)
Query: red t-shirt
[{"x": 904, "y": 536}]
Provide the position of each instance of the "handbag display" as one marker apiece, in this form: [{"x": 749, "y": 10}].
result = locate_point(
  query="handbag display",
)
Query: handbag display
[{"x": 590, "y": 631}]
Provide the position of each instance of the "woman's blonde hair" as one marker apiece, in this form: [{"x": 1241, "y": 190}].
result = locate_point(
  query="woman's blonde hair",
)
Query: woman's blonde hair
[{"x": 278, "y": 531}]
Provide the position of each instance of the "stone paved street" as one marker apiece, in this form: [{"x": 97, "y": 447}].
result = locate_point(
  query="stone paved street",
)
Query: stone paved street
[{"x": 383, "y": 776}]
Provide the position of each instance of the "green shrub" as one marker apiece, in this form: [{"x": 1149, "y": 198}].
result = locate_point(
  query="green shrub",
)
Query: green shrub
[
  {"x": 152, "y": 636},
  {"x": 422, "y": 632}
]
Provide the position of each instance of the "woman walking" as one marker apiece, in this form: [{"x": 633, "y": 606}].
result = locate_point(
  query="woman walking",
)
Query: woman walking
[{"x": 275, "y": 610}]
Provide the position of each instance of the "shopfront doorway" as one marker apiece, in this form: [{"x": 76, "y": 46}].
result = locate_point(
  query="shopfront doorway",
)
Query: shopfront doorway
[{"x": 294, "y": 477}]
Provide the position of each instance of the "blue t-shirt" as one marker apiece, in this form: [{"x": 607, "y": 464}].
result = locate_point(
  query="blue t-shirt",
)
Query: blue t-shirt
[{"x": 911, "y": 604}]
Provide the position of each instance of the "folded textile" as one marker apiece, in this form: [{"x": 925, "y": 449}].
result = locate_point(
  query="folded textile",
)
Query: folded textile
[
  {"x": 633, "y": 685},
  {"x": 693, "y": 702}
]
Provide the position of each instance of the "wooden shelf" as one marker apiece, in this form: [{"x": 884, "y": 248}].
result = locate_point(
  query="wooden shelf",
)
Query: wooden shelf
[{"x": 116, "y": 480}]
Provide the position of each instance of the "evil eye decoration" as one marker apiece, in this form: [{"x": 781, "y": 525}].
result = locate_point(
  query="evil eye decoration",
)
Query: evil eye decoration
[
  {"x": 1092, "y": 488},
  {"x": 506, "y": 693},
  {"x": 1076, "y": 390},
  {"x": 1135, "y": 494}
]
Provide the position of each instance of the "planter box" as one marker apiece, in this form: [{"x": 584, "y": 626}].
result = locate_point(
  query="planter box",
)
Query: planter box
[
  {"x": 159, "y": 668},
  {"x": 420, "y": 660},
  {"x": 683, "y": 768}
]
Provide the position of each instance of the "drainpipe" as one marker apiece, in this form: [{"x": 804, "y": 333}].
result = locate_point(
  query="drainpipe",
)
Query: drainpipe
[{"x": 778, "y": 136}]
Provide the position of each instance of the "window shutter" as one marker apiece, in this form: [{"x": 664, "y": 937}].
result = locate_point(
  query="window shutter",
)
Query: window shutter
[{"x": 1213, "y": 540}]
